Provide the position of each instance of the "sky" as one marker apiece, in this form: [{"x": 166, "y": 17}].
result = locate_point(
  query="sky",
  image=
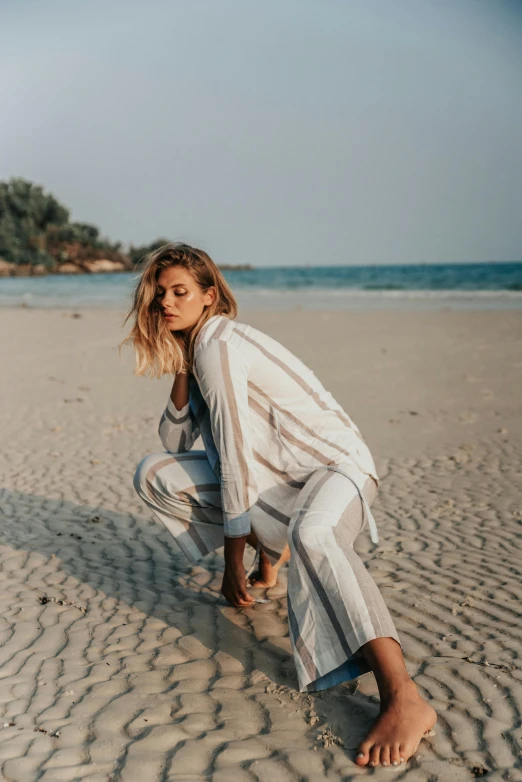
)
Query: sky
[{"x": 276, "y": 132}]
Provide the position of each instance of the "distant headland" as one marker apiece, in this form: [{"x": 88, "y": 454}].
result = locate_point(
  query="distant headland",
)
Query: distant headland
[{"x": 37, "y": 237}]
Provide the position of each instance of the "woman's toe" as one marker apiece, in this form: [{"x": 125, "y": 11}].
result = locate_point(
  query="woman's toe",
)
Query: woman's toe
[
  {"x": 363, "y": 753},
  {"x": 375, "y": 755},
  {"x": 395, "y": 755},
  {"x": 385, "y": 755},
  {"x": 406, "y": 751}
]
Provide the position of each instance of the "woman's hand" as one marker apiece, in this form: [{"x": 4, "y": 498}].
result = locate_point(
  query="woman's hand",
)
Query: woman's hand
[
  {"x": 234, "y": 584},
  {"x": 233, "y": 587}
]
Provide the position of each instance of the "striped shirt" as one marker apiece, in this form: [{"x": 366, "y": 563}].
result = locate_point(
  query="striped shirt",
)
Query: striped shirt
[{"x": 264, "y": 418}]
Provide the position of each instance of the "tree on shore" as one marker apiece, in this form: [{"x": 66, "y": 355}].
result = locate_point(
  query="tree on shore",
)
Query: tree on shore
[
  {"x": 37, "y": 236},
  {"x": 36, "y": 230},
  {"x": 137, "y": 254}
]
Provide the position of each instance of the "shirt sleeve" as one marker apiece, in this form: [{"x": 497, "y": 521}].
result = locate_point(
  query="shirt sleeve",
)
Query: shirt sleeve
[
  {"x": 222, "y": 373},
  {"x": 178, "y": 429}
]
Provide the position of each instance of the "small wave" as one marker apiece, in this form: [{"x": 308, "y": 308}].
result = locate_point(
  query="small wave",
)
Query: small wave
[
  {"x": 377, "y": 287},
  {"x": 379, "y": 293}
]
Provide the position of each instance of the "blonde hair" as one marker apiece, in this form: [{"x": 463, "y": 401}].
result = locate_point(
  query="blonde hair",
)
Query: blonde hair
[{"x": 158, "y": 350}]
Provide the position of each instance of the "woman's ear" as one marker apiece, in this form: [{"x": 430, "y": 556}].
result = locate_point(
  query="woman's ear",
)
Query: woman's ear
[{"x": 211, "y": 295}]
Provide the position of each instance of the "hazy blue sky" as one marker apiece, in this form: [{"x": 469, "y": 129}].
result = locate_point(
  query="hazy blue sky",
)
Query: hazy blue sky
[{"x": 334, "y": 131}]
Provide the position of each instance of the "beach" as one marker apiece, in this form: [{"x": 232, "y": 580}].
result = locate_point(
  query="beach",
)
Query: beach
[{"x": 119, "y": 661}]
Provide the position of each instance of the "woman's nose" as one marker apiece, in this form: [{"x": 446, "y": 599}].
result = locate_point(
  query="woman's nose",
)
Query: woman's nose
[{"x": 165, "y": 300}]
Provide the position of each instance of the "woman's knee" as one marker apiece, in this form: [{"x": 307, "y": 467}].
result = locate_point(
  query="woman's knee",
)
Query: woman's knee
[
  {"x": 142, "y": 472},
  {"x": 307, "y": 537}
]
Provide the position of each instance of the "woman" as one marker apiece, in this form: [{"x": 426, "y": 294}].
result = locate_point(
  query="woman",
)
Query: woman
[{"x": 285, "y": 469}]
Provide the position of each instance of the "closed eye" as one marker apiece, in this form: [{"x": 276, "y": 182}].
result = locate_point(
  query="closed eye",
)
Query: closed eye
[{"x": 176, "y": 293}]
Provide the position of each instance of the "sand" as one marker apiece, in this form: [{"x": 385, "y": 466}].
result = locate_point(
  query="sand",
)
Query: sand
[{"x": 119, "y": 661}]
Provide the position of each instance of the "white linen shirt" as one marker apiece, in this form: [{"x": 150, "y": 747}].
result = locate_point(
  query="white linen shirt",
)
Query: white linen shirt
[{"x": 264, "y": 417}]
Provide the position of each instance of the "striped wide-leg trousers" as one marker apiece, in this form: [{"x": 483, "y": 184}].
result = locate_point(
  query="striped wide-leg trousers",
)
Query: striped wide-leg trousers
[{"x": 334, "y": 605}]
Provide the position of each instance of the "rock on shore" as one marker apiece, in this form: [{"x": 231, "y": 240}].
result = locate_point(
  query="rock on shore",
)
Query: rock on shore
[{"x": 91, "y": 267}]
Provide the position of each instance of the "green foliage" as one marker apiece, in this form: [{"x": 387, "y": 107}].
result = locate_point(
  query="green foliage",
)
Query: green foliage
[
  {"x": 35, "y": 229},
  {"x": 26, "y": 213},
  {"x": 83, "y": 233},
  {"x": 137, "y": 254}
]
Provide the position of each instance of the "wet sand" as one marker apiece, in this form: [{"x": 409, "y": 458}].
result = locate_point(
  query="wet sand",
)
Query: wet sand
[{"x": 119, "y": 661}]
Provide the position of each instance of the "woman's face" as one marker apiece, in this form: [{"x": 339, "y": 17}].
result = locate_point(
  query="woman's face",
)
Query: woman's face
[{"x": 180, "y": 299}]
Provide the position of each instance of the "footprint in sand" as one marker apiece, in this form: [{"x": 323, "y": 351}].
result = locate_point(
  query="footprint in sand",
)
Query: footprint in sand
[
  {"x": 468, "y": 417},
  {"x": 487, "y": 393}
]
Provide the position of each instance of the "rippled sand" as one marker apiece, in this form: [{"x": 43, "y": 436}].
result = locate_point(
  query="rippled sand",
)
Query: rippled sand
[{"x": 118, "y": 661}]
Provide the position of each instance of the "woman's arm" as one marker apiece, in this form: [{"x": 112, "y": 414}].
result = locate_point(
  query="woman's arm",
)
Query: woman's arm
[
  {"x": 180, "y": 389},
  {"x": 222, "y": 373},
  {"x": 233, "y": 587},
  {"x": 178, "y": 429}
]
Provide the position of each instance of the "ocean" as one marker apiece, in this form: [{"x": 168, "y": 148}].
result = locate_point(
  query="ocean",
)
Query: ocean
[{"x": 426, "y": 286}]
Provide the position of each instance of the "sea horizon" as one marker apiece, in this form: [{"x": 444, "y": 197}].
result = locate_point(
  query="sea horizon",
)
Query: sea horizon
[{"x": 484, "y": 285}]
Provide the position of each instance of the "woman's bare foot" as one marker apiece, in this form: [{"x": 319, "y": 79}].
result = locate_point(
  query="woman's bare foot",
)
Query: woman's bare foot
[
  {"x": 266, "y": 576},
  {"x": 394, "y": 737}
]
